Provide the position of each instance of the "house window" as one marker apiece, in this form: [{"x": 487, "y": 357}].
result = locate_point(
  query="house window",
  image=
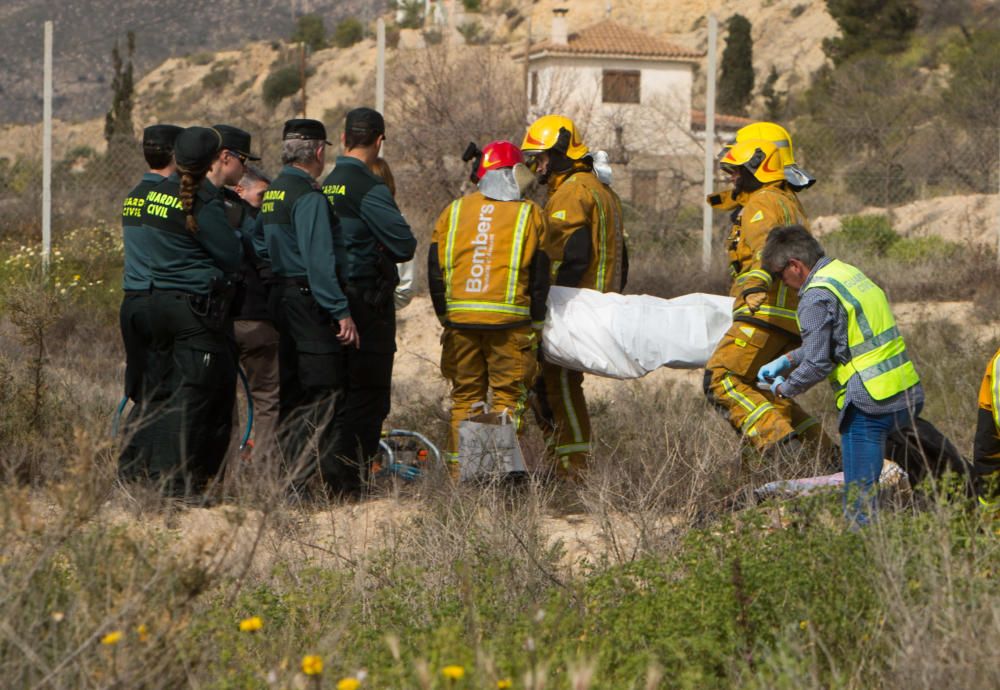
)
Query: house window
[
  {"x": 533, "y": 78},
  {"x": 644, "y": 188},
  {"x": 620, "y": 86}
]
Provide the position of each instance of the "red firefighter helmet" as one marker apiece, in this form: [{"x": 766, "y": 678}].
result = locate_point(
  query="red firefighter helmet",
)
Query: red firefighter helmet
[{"x": 497, "y": 155}]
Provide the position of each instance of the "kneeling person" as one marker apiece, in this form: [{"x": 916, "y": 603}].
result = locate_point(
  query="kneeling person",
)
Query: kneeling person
[
  {"x": 489, "y": 279},
  {"x": 849, "y": 335}
]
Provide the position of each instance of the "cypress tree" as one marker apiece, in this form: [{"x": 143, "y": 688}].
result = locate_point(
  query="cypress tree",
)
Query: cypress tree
[
  {"x": 736, "y": 79},
  {"x": 118, "y": 121},
  {"x": 880, "y": 26}
]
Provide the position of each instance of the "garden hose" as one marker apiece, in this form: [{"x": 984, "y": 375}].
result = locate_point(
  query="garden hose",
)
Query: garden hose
[{"x": 246, "y": 389}]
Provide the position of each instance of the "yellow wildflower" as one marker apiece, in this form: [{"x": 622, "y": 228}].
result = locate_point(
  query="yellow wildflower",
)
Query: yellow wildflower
[
  {"x": 312, "y": 665},
  {"x": 504, "y": 683},
  {"x": 143, "y": 632},
  {"x": 251, "y": 624},
  {"x": 348, "y": 684},
  {"x": 453, "y": 672},
  {"x": 803, "y": 625},
  {"x": 76, "y": 277},
  {"x": 112, "y": 638}
]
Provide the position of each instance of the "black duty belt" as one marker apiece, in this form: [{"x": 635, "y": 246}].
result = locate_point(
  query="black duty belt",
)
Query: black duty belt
[{"x": 292, "y": 282}]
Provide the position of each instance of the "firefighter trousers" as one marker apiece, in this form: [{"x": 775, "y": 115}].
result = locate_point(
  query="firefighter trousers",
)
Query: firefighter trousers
[
  {"x": 731, "y": 385},
  {"x": 503, "y": 361},
  {"x": 561, "y": 411}
]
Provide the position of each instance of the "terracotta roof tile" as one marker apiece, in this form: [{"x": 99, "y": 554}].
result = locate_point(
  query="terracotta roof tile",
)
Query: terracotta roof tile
[
  {"x": 721, "y": 120},
  {"x": 611, "y": 38}
]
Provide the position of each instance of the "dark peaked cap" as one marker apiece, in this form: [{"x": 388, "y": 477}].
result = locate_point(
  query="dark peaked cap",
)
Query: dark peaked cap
[
  {"x": 196, "y": 146},
  {"x": 236, "y": 140},
  {"x": 364, "y": 121},
  {"x": 161, "y": 135},
  {"x": 301, "y": 128}
]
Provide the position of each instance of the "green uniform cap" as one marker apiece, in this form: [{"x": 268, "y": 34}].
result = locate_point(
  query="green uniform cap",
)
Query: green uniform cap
[
  {"x": 196, "y": 146},
  {"x": 236, "y": 140}
]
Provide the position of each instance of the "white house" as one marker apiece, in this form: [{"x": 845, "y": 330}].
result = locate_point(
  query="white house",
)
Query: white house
[
  {"x": 630, "y": 94},
  {"x": 627, "y": 91}
]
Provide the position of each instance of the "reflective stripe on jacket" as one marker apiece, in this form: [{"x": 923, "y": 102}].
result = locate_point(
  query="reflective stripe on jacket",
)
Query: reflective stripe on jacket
[
  {"x": 586, "y": 236},
  {"x": 485, "y": 251},
  {"x": 878, "y": 353},
  {"x": 761, "y": 211},
  {"x": 986, "y": 448}
]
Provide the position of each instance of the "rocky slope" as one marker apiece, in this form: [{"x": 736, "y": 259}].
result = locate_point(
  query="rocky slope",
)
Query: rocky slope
[{"x": 86, "y": 30}]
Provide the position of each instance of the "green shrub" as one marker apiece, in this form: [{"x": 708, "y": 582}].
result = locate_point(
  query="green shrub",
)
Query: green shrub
[
  {"x": 872, "y": 233},
  {"x": 311, "y": 31},
  {"x": 217, "y": 78},
  {"x": 348, "y": 32},
  {"x": 473, "y": 33},
  {"x": 472, "y": 5},
  {"x": 202, "y": 58},
  {"x": 920, "y": 249},
  {"x": 280, "y": 84},
  {"x": 413, "y": 13}
]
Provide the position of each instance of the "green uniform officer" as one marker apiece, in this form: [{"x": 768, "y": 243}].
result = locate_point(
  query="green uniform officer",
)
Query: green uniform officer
[
  {"x": 133, "y": 316},
  {"x": 295, "y": 231},
  {"x": 193, "y": 254},
  {"x": 374, "y": 237}
]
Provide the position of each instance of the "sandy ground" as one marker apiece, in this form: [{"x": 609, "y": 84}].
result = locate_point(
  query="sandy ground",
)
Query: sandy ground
[
  {"x": 353, "y": 533},
  {"x": 967, "y": 219}
]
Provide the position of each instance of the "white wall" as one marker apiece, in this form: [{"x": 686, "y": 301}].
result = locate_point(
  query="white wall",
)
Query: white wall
[{"x": 660, "y": 124}]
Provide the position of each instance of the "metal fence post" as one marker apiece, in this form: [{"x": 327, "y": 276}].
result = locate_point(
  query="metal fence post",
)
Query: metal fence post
[
  {"x": 47, "y": 152},
  {"x": 706, "y": 217}
]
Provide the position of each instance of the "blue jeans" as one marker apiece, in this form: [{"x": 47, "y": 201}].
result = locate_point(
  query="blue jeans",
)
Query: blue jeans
[{"x": 863, "y": 439}]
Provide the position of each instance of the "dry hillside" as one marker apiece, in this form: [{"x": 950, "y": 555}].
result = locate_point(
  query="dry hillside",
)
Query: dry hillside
[{"x": 177, "y": 88}]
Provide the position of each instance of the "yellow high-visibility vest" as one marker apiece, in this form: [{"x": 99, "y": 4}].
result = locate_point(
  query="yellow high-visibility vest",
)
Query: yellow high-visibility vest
[{"x": 878, "y": 353}]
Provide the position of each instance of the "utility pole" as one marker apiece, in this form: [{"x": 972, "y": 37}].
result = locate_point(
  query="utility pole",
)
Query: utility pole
[
  {"x": 302, "y": 74},
  {"x": 706, "y": 217},
  {"x": 47, "y": 152},
  {"x": 380, "y": 66},
  {"x": 527, "y": 71}
]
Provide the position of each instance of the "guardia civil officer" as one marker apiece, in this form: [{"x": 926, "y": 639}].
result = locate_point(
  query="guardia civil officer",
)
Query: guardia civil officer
[
  {"x": 194, "y": 254},
  {"x": 296, "y": 231},
  {"x": 137, "y": 279},
  {"x": 254, "y": 334},
  {"x": 374, "y": 237}
]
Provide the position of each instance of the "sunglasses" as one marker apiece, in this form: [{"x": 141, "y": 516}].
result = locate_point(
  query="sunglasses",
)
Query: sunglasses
[{"x": 238, "y": 156}]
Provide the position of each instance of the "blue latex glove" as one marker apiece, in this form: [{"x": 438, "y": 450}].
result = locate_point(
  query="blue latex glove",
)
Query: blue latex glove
[
  {"x": 772, "y": 369},
  {"x": 778, "y": 380}
]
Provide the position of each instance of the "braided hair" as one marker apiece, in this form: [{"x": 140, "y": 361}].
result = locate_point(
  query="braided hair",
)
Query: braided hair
[{"x": 191, "y": 178}]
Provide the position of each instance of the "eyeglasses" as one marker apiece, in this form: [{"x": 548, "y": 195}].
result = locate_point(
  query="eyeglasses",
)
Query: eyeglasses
[
  {"x": 778, "y": 275},
  {"x": 238, "y": 156}
]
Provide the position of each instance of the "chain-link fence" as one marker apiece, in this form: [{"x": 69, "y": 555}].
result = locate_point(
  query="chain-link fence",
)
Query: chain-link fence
[{"x": 861, "y": 161}]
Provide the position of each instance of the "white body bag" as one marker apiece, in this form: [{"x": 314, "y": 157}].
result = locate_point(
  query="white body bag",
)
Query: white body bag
[{"x": 628, "y": 336}]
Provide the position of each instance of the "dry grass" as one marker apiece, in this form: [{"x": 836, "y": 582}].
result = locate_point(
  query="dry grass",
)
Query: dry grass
[{"x": 645, "y": 575}]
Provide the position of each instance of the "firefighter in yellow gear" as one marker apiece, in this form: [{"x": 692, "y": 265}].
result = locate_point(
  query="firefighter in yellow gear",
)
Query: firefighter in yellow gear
[
  {"x": 764, "y": 313},
  {"x": 585, "y": 241},
  {"x": 986, "y": 448},
  {"x": 489, "y": 280}
]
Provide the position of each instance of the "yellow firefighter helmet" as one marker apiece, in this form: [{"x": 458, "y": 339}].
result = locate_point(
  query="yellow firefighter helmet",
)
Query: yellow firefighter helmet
[
  {"x": 779, "y": 136},
  {"x": 774, "y": 133},
  {"x": 554, "y": 132},
  {"x": 760, "y": 158}
]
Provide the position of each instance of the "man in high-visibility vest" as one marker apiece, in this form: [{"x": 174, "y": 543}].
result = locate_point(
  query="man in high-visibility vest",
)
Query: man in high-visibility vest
[
  {"x": 764, "y": 322},
  {"x": 849, "y": 335},
  {"x": 586, "y": 242},
  {"x": 986, "y": 449},
  {"x": 489, "y": 279}
]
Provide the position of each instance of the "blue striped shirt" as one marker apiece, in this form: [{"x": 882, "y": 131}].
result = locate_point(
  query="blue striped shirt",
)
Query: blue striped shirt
[{"x": 823, "y": 324}]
